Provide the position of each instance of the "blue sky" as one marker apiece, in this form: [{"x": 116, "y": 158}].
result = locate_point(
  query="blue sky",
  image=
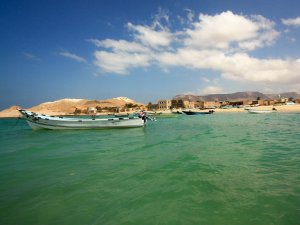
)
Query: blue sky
[{"x": 146, "y": 50}]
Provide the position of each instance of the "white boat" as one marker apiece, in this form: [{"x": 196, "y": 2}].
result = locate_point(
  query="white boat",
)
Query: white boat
[
  {"x": 40, "y": 121},
  {"x": 260, "y": 111}
]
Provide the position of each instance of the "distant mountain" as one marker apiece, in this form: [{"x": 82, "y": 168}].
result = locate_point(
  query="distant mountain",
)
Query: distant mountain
[
  {"x": 293, "y": 95},
  {"x": 238, "y": 96}
]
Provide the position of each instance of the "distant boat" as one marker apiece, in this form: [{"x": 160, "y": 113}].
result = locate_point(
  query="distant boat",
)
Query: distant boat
[
  {"x": 176, "y": 112},
  {"x": 191, "y": 112},
  {"x": 260, "y": 111},
  {"x": 40, "y": 121},
  {"x": 290, "y": 103},
  {"x": 121, "y": 115},
  {"x": 227, "y": 107}
]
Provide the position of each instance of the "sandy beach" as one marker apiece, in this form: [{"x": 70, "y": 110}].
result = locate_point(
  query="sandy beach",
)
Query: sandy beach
[
  {"x": 13, "y": 113},
  {"x": 280, "y": 108}
]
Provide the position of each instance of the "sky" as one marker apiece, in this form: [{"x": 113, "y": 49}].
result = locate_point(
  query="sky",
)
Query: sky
[{"x": 146, "y": 50}]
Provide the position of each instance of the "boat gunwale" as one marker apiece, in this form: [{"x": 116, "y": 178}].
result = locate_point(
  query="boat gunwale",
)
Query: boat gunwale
[
  {"x": 71, "y": 119},
  {"x": 41, "y": 121}
]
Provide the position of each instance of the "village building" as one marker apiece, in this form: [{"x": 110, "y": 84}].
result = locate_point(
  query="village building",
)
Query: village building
[
  {"x": 236, "y": 103},
  {"x": 177, "y": 104},
  {"x": 185, "y": 104},
  {"x": 189, "y": 104},
  {"x": 268, "y": 102},
  {"x": 152, "y": 107},
  {"x": 199, "y": 104},
  {"x": 257, "y": 102},
  {"x": 211, "y": 104},
  {"x": 164, "y": 104},
  {"x": 91, "y": 110}
]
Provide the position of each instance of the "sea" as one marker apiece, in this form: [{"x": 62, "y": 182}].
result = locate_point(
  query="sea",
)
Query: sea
[{"x": 220, "y": 169}]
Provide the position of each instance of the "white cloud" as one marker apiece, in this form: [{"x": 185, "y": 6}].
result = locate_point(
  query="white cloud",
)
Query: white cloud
[
  {"x": 190, "y": 15},
  {"x": 225, "y": 29},
  {"x": 239, "y": 66},
  {"x": 31, "y": 56},
  {"x": 245, "y": 68},
  {"x": 72, "y": 56},
  {"x": 291, "y": 22},
  {"x": 211, "y": 90},
  {"x": 205, "y": 79},
  {"x": 188, "y": 19},
  {"x": 151, "y": 37},
  {"x": 219, "y": 30},
  {"x": 161, "y": 18},
  {"x": 120, "y": 45},
  {"x": 124, "y": 55},
  {"x": 221, "y": 43},
  {"x": 120, "y": 62},
  {"x": 266, "y": 34}
]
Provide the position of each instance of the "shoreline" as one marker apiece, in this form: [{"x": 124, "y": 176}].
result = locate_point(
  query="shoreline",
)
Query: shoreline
[{"x": 281, "y": 109}]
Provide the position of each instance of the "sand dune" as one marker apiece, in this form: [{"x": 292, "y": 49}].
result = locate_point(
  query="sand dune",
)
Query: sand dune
[
  {"x": 10, "y": 112},
  {"x": 67, "y": 106}
]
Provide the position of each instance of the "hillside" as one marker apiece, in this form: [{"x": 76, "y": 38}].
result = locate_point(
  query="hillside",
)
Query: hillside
[
  {"x": 10, "y": 112},
  {"x": 68, "y": 106},
  {"x": 224, "y": 97}
]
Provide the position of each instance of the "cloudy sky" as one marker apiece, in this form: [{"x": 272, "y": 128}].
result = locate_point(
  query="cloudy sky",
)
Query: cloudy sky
[{"x": 146, "y": 50}]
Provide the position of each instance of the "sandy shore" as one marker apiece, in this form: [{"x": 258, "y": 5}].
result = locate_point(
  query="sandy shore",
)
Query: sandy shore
[
  {"x": 280, "y": 108},
  {"x": 12, "y": 113}
]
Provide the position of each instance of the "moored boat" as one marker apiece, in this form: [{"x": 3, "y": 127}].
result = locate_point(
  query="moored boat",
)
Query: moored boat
[
  {"x": 40, "y": 121},
  {"x": 260, "y": 111},
  {"x": 191, "y": 112},
  {"x": 177, "y": 112}
]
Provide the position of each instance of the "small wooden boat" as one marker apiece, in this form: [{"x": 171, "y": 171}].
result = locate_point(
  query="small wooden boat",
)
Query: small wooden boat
[
  {"x": 260, "y": 111},
  {"x": 190, "y": 112},
  {"x": 40, "y": 121}
]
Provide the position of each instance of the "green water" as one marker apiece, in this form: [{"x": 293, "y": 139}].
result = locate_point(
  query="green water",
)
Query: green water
[{"x": 210, "y": 169}]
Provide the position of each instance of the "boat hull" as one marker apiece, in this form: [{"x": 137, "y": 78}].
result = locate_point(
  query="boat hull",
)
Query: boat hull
[
  {"x": 260, "y": 111},
  {"x": 39, "y": 121},
  {"x": 197, "y": 113}
]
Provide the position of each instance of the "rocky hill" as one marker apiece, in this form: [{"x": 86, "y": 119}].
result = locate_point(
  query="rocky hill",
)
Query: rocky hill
[
  {"x": 238, "y": 96},
  {"x": 68, "y": 106}
]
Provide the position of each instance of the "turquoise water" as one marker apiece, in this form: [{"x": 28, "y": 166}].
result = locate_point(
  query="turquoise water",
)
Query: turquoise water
[{"x": 210, "y": 169}]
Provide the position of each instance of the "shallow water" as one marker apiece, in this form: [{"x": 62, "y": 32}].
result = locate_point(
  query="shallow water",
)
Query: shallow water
[{"x": 222, "y": 169}]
